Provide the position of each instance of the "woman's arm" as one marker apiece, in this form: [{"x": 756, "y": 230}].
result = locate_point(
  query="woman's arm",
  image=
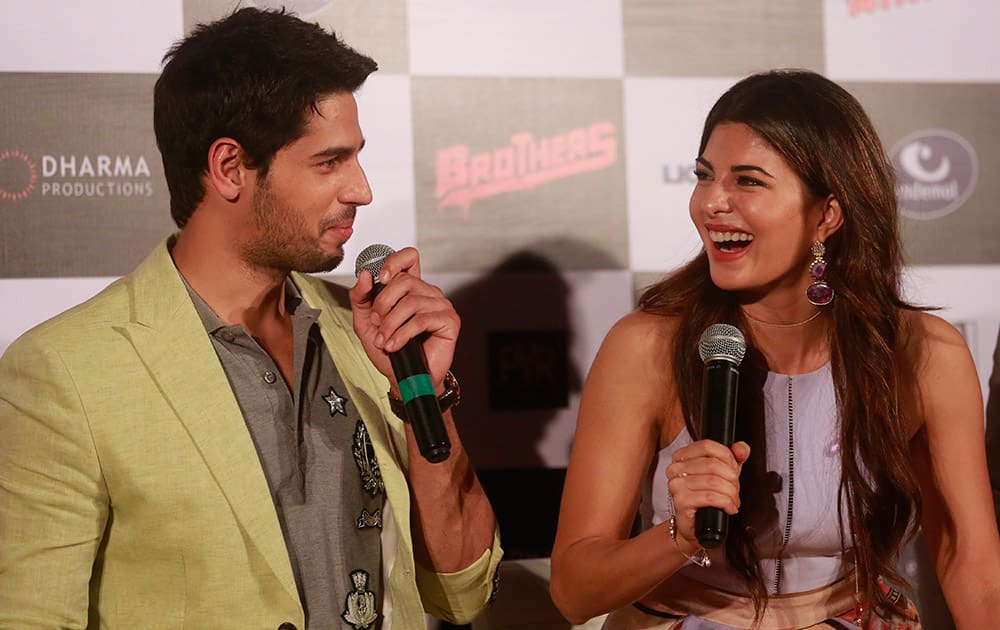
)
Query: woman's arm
[
  {"x": 950, "y": 463},
  {"x": 628, "y": 400}
]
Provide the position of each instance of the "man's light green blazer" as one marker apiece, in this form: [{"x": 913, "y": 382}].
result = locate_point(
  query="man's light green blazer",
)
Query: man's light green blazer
[{"x": 131, "y": 494}]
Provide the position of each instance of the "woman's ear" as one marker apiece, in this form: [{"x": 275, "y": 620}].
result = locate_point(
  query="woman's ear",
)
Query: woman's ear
[
  {"x": 227, "y": 171},
  {"x": 831, "y": 219}
]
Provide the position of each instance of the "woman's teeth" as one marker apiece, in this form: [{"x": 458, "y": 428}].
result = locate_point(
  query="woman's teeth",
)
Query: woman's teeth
[
  {"x": 728, "y": 241},
  {"x": 723, "y": 237}
]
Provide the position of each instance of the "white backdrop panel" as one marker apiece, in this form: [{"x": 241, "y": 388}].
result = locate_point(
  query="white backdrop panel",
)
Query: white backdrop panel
[
  {"x": 105, "y": 36},
  {"x": 516, "y": 38},
  {"x": 912, "y": 40}
]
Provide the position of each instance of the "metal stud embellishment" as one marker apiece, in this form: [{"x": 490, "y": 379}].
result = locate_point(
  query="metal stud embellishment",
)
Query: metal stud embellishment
[
  {"x": 359, "y": 610},
  {"x": 364, "y": 457},
  {"x": 338, "y": 403},
  {"x": 370, "y": 520}
]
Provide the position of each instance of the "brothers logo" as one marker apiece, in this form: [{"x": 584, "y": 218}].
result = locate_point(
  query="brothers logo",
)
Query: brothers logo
[
  {"x": 18, "y": 175},
  {"x": 527, "y": 162},
  {"x": 858, "y": 7},
  {"x": 936, "y": 172}
]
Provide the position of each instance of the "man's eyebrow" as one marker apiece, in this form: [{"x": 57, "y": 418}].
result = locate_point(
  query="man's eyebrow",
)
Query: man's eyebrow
[{"x": 330, "y": 152}]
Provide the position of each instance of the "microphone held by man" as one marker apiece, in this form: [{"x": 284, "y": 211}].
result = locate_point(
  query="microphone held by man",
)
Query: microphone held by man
[{"x": 416, "y": 389}]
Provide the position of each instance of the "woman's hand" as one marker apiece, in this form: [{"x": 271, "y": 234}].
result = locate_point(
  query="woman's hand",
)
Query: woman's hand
[{"x": 704, "y": 474}]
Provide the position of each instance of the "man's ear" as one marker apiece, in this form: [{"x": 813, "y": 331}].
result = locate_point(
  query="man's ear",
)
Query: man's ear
[
  {"x": 227, "y": 170},
  {"x": 831, "y": 219}
]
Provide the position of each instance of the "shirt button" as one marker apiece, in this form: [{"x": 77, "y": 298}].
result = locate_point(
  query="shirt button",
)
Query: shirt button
[
  {"x": 228, "y": 336},
  {"x": 269, "y": 377}
]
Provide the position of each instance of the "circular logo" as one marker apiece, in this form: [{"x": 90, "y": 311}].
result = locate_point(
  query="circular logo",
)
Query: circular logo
[
  {"x": 936, "y": 172},
  {"x": 17, "y": 175}
]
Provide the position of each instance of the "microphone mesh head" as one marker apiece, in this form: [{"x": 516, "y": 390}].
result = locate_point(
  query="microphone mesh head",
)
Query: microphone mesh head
[
  {"x": 371, "y": 258},
  {"x": 722, "y": 341}
]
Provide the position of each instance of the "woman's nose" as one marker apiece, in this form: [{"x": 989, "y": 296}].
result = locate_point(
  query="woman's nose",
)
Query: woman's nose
[{"x": 716, "y": 199}]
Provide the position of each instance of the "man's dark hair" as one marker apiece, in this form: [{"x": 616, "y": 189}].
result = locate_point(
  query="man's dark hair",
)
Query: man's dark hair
[{"x": 253, "y": 76}]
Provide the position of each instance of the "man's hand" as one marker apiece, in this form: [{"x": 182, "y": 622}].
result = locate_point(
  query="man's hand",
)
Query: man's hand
[{"x": 405, "y": 308}]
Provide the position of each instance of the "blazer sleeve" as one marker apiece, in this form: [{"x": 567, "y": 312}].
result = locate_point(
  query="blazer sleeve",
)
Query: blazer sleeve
[
  {"x": 458, "y": 597},
  {"x": 53, "y": 501}
]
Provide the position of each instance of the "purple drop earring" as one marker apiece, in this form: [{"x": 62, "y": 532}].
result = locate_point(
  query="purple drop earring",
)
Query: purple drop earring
[{"x": 819, "y": 292}]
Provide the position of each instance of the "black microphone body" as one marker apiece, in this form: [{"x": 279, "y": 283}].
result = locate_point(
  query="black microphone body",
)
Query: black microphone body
[
  {"x": 722, "y": 348},
  {"x": 410, "y": 368},
  {"x": 718, "y": 422}
]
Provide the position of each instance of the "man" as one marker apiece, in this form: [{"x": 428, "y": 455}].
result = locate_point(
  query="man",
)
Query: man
[{"x": 209, "y": 442}]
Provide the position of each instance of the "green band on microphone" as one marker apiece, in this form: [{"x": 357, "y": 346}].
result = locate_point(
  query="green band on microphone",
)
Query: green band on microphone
[{"x": 416, "y": 385}]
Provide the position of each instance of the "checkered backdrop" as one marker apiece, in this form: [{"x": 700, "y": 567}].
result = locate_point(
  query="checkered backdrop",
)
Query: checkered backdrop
[{"x": 538, "y": 153}]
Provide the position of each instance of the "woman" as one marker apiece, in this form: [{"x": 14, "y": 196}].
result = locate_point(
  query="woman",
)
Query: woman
[{"x": 858, "y": 414}]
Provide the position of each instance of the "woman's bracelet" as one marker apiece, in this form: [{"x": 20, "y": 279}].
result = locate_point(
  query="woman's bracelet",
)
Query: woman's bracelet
[{"x": 700, "y": 557}]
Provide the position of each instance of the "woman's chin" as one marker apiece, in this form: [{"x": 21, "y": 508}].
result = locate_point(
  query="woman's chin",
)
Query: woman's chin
[{"x": 727, "y": 281}]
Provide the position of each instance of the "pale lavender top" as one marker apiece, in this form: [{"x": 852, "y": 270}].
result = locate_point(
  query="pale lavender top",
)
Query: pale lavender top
[{"x": 813, "y": 556}]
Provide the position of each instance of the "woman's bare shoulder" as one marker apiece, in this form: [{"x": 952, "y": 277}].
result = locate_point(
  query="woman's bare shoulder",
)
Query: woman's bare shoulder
[
  {"x": 930, "y": 339},
  {"x": 645, "y": 333},
  {"x": 638, "y": 356},
  {"x": 941, "y": 371}
]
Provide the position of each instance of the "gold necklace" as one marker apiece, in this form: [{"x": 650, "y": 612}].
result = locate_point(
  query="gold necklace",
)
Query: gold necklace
[{"x": 773, "y": 325}]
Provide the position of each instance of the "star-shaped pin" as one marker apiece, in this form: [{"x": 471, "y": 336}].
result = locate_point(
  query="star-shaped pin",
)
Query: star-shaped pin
[{"x": 336, "y": 402}]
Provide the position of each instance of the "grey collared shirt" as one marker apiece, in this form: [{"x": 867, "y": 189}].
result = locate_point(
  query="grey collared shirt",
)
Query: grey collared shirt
[{"x": 319, "y": 464}]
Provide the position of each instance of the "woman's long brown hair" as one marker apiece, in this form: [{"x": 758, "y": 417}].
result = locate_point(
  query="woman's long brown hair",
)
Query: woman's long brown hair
[{"x": 825, "y": 136}]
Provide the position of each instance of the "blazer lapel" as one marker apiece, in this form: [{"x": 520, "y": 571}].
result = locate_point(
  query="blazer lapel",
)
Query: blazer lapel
[{"x": 171, "y": 340}]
